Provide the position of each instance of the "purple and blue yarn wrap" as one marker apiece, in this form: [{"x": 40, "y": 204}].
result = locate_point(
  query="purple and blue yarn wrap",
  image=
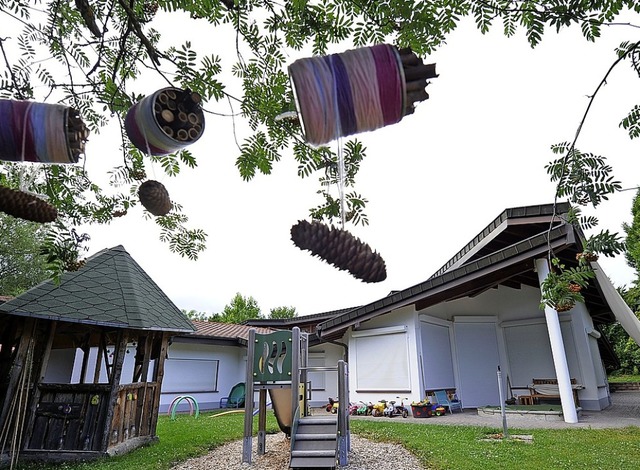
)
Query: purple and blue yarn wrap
[
  {"x": 34, "y": 132},
  {"x": 344, "y": 94},
  {"x": 144, "y": 131}
]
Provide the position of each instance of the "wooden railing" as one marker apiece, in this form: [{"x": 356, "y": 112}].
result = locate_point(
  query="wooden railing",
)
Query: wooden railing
[{"x": 133, "y": 412}]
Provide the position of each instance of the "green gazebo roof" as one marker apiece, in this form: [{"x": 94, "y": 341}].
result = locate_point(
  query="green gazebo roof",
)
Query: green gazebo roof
[{"x": 111, "y": 289}]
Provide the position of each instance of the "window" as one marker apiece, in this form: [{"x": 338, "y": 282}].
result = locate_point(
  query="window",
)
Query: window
[
  {"x": 382, "y": 360},
  {"x": 190, "y": 375}
]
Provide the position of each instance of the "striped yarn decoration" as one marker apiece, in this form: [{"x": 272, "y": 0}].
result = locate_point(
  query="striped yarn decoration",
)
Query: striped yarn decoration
[
  {"x": 39, "y": 132},
  {"x": 165, "y": 122},
  {"x": 344, "y": 94}
]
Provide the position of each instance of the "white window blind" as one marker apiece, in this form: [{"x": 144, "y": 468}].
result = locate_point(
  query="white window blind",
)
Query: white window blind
[
  {"x": 382, "y": 362},
  {"x": 190, "y": 375}
]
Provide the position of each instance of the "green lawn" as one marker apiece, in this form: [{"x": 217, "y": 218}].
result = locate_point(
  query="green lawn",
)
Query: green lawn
[
  {"x": 623, "y": 378},
  {"x": 437, "y": 446}
]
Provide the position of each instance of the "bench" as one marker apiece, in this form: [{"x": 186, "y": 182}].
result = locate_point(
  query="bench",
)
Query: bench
[{"x": 548, "y": 389}]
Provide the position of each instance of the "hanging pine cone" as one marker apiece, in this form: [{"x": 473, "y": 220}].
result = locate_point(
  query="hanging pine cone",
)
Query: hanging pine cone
[
  {"x": 154, "y": 197},
  {"x": 341, "y": 249},
  {"x": 26, "y": 206}
]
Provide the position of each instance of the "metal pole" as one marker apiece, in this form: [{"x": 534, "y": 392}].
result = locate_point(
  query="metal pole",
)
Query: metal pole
[
  {"x": 248, "y": 400},
  {"x": 343, "y": 415},
  {"x": 505, "y": 431}
]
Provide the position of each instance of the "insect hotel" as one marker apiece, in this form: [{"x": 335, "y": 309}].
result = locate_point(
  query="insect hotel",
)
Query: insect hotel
[{"x": 94, "y": 317}]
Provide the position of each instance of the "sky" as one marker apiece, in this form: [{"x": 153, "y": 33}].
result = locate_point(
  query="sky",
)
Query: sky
[{"x": 433, "y": 181}]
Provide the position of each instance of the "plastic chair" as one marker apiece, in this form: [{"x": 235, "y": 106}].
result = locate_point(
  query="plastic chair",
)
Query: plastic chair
[
  {"x": 443, "y": 399},
  {"x": 235, "y": 398}
]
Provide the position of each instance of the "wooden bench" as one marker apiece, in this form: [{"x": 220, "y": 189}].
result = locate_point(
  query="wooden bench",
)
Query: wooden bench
[{"x": 534, "y": 396}]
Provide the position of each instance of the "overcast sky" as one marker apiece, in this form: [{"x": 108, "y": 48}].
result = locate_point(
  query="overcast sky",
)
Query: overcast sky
[{"x": 433, "y": 181}]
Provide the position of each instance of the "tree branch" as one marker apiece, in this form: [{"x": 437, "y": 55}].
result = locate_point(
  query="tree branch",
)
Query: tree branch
[{"x": 137, "y": 29}]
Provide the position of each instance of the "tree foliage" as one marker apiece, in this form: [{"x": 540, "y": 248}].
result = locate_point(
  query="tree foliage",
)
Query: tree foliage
[
  {"x": 239, "y": 310},
  {"x": 283, "y": 313},
  {"x": 90, "y": 54},
  {"x": 625, "y": 347},
  {"x": 21, "y": 264}
]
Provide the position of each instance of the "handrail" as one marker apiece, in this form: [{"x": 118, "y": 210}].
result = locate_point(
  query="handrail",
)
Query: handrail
[{"x": 294, "y": 428}]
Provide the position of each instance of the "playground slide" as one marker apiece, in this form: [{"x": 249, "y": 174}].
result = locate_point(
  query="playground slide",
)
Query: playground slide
[{"x": 281, "y": 403}]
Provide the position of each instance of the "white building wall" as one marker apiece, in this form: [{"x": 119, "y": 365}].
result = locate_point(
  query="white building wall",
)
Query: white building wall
[
  {"x": 404, "y": 319},
  {"x": 231, "y": 369}
]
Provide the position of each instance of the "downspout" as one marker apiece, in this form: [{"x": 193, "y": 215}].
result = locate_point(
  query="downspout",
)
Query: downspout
[
  {"x": 337, "y": 343},
  {"x": 558, "y": 351}
]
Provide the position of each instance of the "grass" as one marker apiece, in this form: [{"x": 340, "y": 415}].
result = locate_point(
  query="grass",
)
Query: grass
[
  {"x": 461, "y": 447},
  {"x": 438, "y": 447},
  {"x": 623, "y": 378}
]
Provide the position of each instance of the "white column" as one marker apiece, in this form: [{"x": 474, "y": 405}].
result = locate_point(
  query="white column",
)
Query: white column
[{"x": 557, "y": 350}]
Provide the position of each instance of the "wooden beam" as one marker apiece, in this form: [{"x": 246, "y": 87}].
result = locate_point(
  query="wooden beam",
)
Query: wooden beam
[
  {"x": 35, "y": 397},
  {"x": 158, "y": 375},
  {"x": 26, "y": 335},
  {"x": 118, "y": 359}
]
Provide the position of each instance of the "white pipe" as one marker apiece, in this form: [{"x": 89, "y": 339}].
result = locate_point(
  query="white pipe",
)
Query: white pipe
[{"x": 557, "y": 350}]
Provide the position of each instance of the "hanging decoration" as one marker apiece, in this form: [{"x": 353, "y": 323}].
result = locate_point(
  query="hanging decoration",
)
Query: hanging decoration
[
  {"x": 154, "y": 197},
  {"x": 165, "y": 122},
  {"x": 357, "y": 91},
  {"x": 40, "y": 132},
  {"x": 341, "y": 249},
  {"x": 26, "y": 206}
]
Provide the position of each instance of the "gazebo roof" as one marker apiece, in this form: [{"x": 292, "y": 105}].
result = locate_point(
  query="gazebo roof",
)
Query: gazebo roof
[{"x": 111, "y": 289}]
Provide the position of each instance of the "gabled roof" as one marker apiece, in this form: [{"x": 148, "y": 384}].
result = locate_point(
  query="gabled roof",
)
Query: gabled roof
[
  {"x": 111, "y": 289},
  {"x": 503, "y": 253}
]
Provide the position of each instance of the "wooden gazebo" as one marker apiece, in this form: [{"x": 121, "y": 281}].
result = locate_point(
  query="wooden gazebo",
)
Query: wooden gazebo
[{"x": 94, "y": 316}]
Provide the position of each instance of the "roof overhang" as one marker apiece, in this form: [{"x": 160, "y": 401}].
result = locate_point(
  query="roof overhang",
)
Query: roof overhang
[{"x": 470, "y": 278}]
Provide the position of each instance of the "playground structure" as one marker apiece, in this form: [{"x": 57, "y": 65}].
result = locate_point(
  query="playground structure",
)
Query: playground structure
[{"x": 277, "y": 363}]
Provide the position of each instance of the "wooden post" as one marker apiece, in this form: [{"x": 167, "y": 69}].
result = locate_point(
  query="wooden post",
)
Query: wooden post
[
  {"x": 158, "y": 375},
  {"x": 295, "y": 372},
  {"x": 144, "y": 373},
  {"x": 118, "y": 358},
  {"x": 46, "y": 353},
  {"x": 248, "y": 401},
  {"x": 96, "y": 371},
  {"x": 16, "y": 370},
  {"x": 262, "y": 421}
]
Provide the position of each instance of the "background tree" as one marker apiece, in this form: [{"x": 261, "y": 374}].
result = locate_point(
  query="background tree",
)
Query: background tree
[
  {"x": 240, "y": 309},
  {"x": 89, "y": 55},
  {"x": 21, "y": 264},
  {"x": 283, "y": 312},
  {"x": 201, "y": 316},
  {"x": 626, "y": 348}
]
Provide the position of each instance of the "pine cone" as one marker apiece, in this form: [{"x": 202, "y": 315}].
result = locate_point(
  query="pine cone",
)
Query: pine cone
[
  {"x": 26, "y": 206},
  {"x": 154, "y": 197},
  {"x": 341, "y": 249}
]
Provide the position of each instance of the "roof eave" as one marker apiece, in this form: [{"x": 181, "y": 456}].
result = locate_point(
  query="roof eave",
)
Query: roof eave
[{"x": 438, "y": 288}]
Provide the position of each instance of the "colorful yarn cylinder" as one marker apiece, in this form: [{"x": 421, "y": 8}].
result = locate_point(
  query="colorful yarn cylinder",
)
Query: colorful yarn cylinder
[
  {"x": 165, "y": 122},
  {"x": 39, "y": 132},
  {"x": 344, "y": 94}
]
